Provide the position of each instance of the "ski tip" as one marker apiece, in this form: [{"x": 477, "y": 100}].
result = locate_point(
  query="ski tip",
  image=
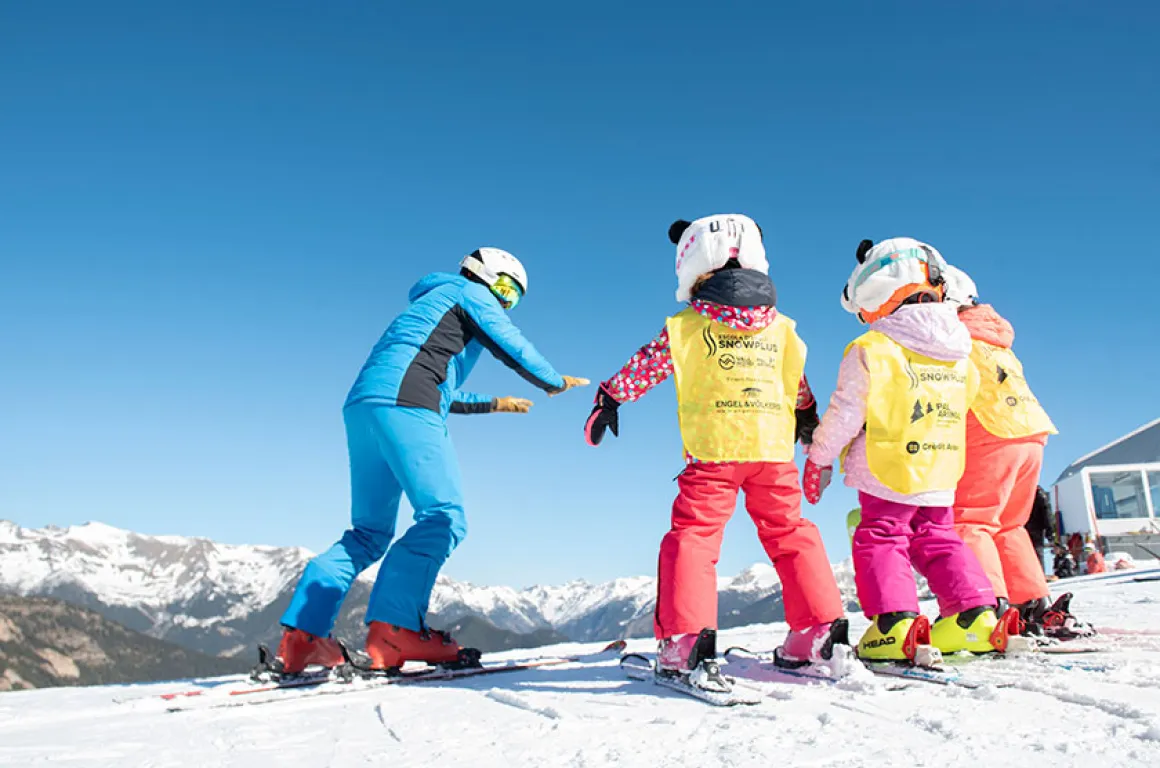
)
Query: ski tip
[
  {"x": 636, "y": 657},
  {"x": 616, "y": 645}
]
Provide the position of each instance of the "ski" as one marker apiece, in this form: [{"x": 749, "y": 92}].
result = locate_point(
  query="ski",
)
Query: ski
[
  {"x": 349, "y": 673},
  {"x": 1085, "y": 666},
  {"x": 761, "y": 667},
  {"x": 1139, "y": 575},
  {"x": 304, "y": 680},
  {"x": 1025, "y": 663},
  {"x": 222, "y": 686},
  {"x": 295, "y": 690},
  {"x": 724, "y": 693},
  {"x": 351, "y": 680},
  {"x": 934, "y": 675},
  {"x": 1118, "y": 632},
  {"x": 1072, "y": 647}
]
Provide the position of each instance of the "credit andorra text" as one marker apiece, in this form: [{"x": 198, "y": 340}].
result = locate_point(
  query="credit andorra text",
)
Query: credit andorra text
[{"x": 913, "y": 447}]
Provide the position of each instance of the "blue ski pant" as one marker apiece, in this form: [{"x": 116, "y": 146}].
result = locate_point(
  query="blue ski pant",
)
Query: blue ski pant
[{"x": 393, "y": 451}]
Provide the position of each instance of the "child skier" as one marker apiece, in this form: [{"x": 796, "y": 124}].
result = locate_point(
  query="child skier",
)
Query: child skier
[
  {"x": 897, "y": 415},
  {"x": 1063, "y": 565},
  {"x": 743, "y": 400},
  {"x": 1095, "y": 560},
  {"x": 1007, "y": 430},
  {"x": 398, "y": 441}
]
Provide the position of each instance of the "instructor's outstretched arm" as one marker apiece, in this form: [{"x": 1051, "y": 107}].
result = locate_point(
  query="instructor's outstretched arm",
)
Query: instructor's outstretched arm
[
  {"x": 499, "y": 335},
  {"x": 471, "y": 403}
]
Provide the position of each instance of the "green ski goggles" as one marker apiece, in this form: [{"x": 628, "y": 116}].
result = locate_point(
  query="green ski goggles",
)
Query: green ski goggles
[{"x": 508, "y": 291}]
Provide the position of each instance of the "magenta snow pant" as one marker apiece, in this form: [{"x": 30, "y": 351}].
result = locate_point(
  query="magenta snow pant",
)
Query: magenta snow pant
[{"x": 892, "y": 537}]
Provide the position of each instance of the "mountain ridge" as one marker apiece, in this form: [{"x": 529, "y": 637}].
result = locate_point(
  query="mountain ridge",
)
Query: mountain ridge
[
  {"x": 223, "y": 599},
  {"x": 46, "y": 642}
]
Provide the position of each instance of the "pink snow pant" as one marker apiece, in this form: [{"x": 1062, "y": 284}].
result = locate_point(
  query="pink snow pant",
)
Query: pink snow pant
[
  {"x": 892, "y": 537},
  {"x": 687, "y": 579}
]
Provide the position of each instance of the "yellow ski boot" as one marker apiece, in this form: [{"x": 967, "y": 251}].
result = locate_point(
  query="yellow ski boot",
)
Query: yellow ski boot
[
  {"x": 898, "y": 637},
  {"x": 979, "y": 630}
]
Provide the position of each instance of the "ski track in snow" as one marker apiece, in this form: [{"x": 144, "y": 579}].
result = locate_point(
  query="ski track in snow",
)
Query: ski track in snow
[
  {"x": 589, "y": 715},
  {"x": 383, "y": 720},
  {"x": 521, "y": 702}
]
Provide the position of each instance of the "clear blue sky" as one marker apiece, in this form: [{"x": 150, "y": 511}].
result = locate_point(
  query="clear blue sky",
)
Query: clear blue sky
[{"x": 210, "y": 211}]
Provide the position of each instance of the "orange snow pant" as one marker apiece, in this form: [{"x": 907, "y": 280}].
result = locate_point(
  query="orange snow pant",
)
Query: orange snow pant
[
  {"x": 687, "y": 578},
  {"x": 993, "y": 503}
]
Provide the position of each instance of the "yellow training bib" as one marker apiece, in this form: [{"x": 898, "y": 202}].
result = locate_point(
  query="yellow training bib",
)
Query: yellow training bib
[
  {"x": 1005, "y": 406},
  {"x": 736, "y": 390},
  {"x": 915, "y": 416}
]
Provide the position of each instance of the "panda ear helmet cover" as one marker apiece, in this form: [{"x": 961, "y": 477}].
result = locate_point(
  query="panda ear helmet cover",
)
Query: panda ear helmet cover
[{"x": 676, "y": 229}]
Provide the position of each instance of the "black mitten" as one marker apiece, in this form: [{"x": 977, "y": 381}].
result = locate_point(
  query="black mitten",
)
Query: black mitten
[
  {"x": 604, "y": 416},
  {"x": 807, "y": 422}
]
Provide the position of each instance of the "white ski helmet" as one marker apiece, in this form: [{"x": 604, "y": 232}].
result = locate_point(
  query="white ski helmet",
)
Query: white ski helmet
[
  {"x": 890, "y": 273},
  {"x": 489, "y": 263},
  {"x": 961, "y": 289},
  {"x": 705, "y": 245}
]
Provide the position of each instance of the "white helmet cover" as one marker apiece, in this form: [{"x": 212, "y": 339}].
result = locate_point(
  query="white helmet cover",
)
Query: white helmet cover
[
  {"x": 888, "y": 267},
  {"x": 489, "y": 263},
  {"x": 961, "y": 289},
  {"x": 708, "y": 243}
]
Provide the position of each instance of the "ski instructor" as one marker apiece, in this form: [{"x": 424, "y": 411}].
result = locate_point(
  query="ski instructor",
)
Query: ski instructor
[{"x": 397, "y": 437}]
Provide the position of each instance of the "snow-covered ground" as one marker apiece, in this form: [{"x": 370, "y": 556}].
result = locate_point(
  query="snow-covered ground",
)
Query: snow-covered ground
[{"x": 590, "y": 715}]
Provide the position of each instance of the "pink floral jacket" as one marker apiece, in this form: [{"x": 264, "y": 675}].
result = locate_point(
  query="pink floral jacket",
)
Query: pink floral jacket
[{"x": 653, "y": 363}]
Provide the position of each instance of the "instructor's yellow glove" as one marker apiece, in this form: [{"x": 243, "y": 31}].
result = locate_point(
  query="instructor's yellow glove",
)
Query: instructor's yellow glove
[
  {"x": 573, "y": 381},
  {"x": 511, "y": 405}
]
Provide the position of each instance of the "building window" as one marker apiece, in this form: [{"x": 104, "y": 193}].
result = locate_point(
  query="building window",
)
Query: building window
[
  {"x": 1154, "y": 486},
  {"x": 1118, "y": 494}
]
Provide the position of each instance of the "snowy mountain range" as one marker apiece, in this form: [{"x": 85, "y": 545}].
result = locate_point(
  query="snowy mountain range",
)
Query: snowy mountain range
[{"x": 223, "y": 599}]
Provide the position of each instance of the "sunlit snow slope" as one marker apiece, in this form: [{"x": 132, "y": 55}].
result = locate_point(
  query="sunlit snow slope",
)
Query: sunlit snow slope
[{"x": 589, "y": 715}]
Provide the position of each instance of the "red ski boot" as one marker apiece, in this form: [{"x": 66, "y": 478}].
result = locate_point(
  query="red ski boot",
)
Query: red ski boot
[
  {"x": 390, "y": 646},
  {"x": 299, "y": 650}
]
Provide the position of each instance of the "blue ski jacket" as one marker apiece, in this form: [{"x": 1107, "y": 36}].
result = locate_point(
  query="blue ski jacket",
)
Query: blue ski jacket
[{"x": 427, "y": 353}]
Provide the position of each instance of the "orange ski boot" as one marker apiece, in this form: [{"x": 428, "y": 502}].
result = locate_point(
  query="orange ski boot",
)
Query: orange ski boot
[
  {"x": 299, "y": 650},
  {"x": 390, "y": 646}
]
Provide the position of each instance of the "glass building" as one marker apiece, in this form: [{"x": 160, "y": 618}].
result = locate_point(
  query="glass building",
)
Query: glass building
[{"x": 1114, "y": 493}]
